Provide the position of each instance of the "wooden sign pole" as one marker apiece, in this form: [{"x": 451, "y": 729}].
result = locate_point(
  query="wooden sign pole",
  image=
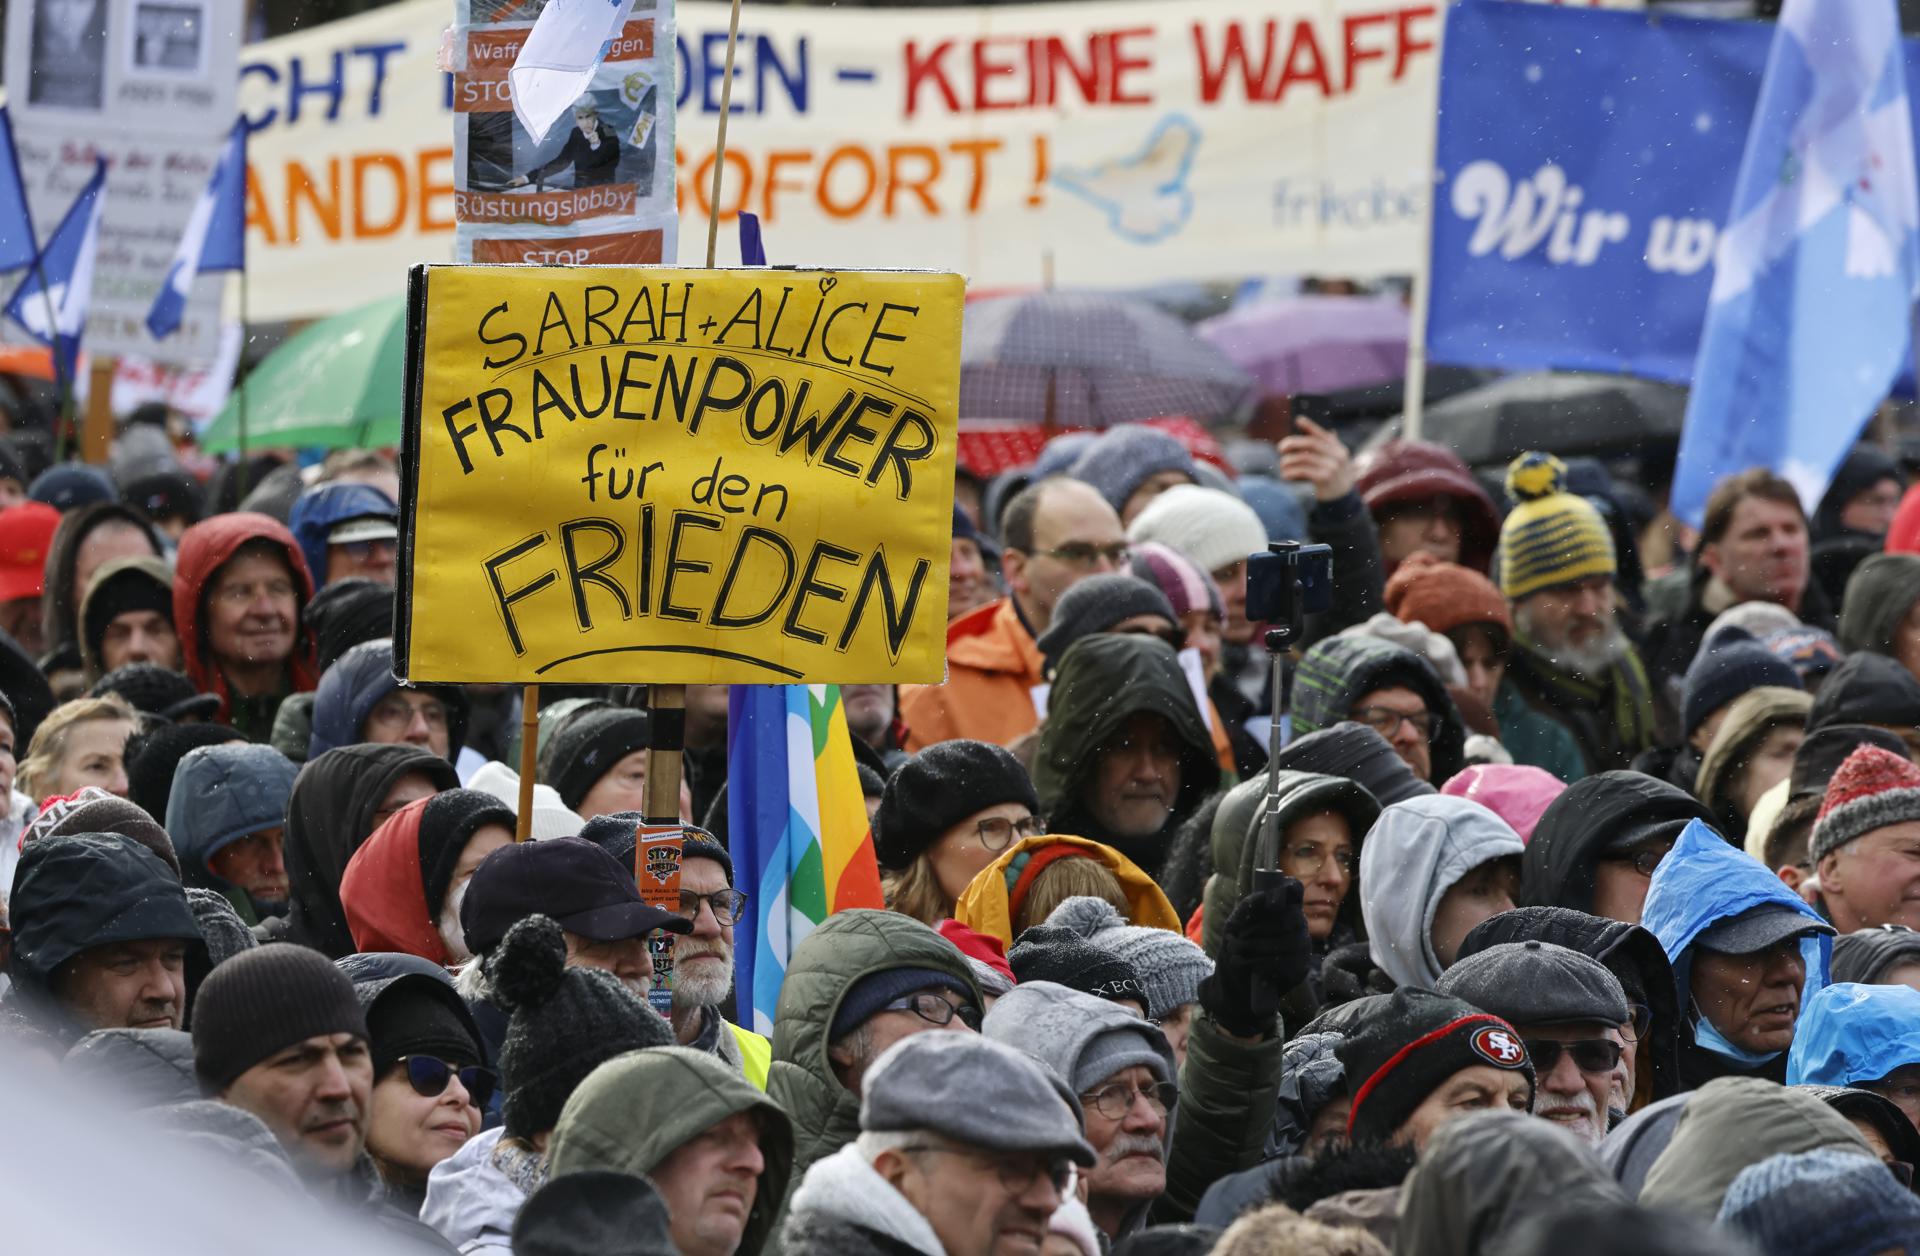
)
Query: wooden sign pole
[{"x": 529, "y": 759}]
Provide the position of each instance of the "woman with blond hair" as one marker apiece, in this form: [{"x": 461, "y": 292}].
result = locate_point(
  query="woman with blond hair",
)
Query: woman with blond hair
[
  {"x": 948, "y": 812},
  {"x": 81, "y": 743}
]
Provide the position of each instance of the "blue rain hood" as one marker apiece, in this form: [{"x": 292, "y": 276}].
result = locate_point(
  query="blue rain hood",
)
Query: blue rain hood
[
  {"x": 319, "y": 509},
  {"x": 1702, "y": 881},
  {"x": 1851, "y": 1034}
]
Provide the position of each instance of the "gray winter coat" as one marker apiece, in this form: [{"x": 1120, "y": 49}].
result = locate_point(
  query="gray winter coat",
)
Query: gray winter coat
[{"x": 221, "y": 794}]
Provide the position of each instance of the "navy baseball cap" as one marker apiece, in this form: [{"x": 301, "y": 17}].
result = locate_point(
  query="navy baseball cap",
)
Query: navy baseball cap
[{"x": 582, "y": 887}]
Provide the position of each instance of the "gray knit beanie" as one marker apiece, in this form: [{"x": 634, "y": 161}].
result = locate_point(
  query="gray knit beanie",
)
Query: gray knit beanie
[
  {"x": 1121, "y": 459},
  {"x": 1096, "y": 604},
  {"x": 1170, "y": 966}
]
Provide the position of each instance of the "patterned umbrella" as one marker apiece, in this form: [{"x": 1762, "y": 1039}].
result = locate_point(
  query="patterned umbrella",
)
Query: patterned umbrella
[
  {"x": 1079, "y": 360},
  {"x": 1316, "y": 344}
]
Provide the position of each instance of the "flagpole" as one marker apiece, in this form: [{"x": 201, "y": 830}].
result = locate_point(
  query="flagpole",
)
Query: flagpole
[
  {"x": 720, "y": 138},
  {"x": 240, "y": 381},
  {"x": 1414, "y": 398},
  {"x": 63, "y": 418}
]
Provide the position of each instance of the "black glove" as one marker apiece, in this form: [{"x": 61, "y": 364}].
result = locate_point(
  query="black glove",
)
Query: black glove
[{"x": 1264, "y": 952}]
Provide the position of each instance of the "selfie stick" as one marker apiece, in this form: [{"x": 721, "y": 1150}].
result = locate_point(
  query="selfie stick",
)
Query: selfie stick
[{"x": 1280, "y": 638}]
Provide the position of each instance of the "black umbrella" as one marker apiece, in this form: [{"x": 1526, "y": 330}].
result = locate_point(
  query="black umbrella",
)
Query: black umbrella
[{"x": 1565, "y": 414}]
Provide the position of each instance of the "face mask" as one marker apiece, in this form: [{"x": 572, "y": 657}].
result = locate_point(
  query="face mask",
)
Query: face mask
[
  {"x": 451, "y": 935},
  {"x": 1713, "y": 1040}
]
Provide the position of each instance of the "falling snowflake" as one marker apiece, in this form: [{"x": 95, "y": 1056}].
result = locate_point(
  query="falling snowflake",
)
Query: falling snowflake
[
  {"x": 1534, "y": 73},
  {"x": 1703, "y": 122}
]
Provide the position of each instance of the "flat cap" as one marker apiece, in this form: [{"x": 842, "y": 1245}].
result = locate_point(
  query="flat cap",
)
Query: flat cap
[
  {"x": 1537, "y": 983},
  {"x": 976, "y": 1091}
]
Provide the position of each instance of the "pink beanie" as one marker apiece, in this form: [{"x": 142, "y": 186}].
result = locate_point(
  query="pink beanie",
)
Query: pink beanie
[{"x": 1515, "y": 792}]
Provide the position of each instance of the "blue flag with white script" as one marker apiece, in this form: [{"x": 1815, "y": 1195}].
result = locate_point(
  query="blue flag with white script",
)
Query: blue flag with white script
[
  {"x": 1815, "y": 273},
  {"x": 16, "y": 224},
  {"x": 215, "y": 238},
  {"x": 51, "y": 301}
]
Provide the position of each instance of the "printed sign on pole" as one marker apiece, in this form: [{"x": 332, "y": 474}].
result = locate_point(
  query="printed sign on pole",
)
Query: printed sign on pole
[{"x": 677, "y": 476}]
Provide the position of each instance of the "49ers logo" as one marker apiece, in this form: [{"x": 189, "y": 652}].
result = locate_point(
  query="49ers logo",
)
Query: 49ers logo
[{"x": 1498, "y": 1047}]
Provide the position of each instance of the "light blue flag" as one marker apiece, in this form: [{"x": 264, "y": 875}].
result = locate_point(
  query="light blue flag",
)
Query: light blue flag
[
  {"x": 1816, "y": 272},
  {"x": 215, "y": 238},
  {"x": 65, "y": 267},
  {"x": 17, "y": 245}
]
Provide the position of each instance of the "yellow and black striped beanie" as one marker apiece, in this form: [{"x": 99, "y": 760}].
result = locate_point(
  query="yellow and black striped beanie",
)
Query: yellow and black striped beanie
[{"x": 1551, "y": 536}]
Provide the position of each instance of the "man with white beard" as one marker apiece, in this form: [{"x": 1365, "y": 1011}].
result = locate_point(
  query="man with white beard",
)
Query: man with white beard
[
  {"x": 703, "y": 959},
  {"x": 1572, "y": 1015},
  {"x": 1570, "y": 660}
]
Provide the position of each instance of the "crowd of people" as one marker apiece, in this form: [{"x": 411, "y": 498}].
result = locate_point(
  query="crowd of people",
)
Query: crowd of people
[{"x": 1578, "y": 914}]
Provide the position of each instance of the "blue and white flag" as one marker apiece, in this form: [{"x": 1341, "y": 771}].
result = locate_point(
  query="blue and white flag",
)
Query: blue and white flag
[
  {"x": 17, "y": 245},
  {"x": 557, "y": 63},
  {"x": 1816, "y": 271},
  {"x": 215, "y": 238},
  {"x": 65, "y": 268}
]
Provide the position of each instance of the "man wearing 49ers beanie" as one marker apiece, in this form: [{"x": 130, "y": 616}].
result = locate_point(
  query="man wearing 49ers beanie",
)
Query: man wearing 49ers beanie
[
  {"x": 1866, "y": 842},
  {"x": 1422, "y": 1059}
]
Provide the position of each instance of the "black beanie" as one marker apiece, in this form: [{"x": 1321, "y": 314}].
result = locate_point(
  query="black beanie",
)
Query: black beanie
[
  {"x": 1096, "y": 604},
  {"x": 1867, "y": 688},
  {"x": 152, "y": 757},
  {"x": 155, "y": 690},
  {"x": 1058, "y": 954},
  {"x": 563, "y": 1023},
  {"x": 938, "y": 788},
  {"x": 1361, "y": 755},
  {"x": 1406, "y": 1048},
  {"x": 131, "y": 588},
  {"x": 1726, "y": 667},
  {"x": 266, "y": 1000},
  {"x": 415, "y": 1014},
  {"x": 586, "y": 747},
  {"x": 449, "y": 820},
  {"x": 347, "y": 613}
]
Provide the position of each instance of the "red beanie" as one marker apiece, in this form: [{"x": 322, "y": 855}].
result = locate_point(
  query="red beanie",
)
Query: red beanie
[
  {"x": 1872, "y": 789},
  {"x": 1444, "y": 596}
]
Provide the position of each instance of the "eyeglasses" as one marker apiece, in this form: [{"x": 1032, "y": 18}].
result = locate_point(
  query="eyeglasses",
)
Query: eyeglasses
[
  {"x": 1116, "y": 1100},
  {"x": 1086, "y": 553},
  {"x": 1639, "y": 1023},
  {"x": 244, "y": 594},
  {"x": 1308, "y": 860},
  {"x": 1386, "y": 721},
  {"x": 724, "y": 904},
  {"x": 1017, "y": 1172},
  {"x": 395, "y": 712},
  {"x": 935, "y": 1010},
  {"x": 429, "y": 1075},
  {"x": 1590, "y": 1055},
  {"x": 997, "y": 831},
  {"x": 1644, "y": 860},
  {"x": 1902, "y": 1172}
]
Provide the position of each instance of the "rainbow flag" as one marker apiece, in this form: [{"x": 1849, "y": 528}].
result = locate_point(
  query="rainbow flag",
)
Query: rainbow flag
[{"x": 796, "y": 827}]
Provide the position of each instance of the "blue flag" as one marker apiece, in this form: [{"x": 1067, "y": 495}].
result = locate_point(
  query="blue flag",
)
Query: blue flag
[
  {"x": 65, "y": 267},
  {"x": 1815, "y": 274},
  {"x": 215, "y": 238},
  {"x": 17, "y": 245}
]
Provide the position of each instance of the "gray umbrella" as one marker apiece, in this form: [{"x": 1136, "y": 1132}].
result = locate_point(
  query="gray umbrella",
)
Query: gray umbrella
[
  {"x": 1078, "y": 360},
  {"x": 1565, "y": 414}
]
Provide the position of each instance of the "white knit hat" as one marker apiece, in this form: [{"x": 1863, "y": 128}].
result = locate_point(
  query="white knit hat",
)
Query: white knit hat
[
  {"x": 1212, "y": 528},
  {"x": 551, "y": 817}
]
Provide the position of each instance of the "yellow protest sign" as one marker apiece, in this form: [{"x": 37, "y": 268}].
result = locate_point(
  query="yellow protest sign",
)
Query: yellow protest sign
[{"x": 630, "y": 474}]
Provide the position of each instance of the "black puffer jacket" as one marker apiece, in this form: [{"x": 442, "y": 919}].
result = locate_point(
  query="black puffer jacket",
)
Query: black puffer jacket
[{"x": 330, "y": 812}]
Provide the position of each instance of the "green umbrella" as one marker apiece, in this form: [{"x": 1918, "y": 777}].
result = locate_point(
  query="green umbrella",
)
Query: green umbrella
[{"x": 335, "y": 384}]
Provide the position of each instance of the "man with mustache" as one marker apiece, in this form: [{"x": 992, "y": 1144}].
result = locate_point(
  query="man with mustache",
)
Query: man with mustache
[
  {"x": 1122, "y": 1068},
  {"x": 1572, "y": 1016},
  {"x": 278, "y": 1032},
  {"x": 1570, "y": 660},
  {"x": 703, "y": 958}
]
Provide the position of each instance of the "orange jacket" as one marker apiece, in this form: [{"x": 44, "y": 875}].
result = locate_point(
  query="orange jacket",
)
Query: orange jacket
[{"x": 992, "y": 664}]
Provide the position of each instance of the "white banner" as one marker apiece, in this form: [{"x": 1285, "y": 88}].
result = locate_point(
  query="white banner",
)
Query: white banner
[
  {"x": 1136, "y": 141},
  {"x": 148, "y": 85}
]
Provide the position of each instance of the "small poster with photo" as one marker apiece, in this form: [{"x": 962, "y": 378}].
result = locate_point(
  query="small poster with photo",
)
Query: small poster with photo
[{"x": 168, "y": 37}]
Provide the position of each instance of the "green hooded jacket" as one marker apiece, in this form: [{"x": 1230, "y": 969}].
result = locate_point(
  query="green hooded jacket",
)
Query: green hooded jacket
[
  {"x": 1733, "y": 1123},
  {"x": 848, "y": 946},
  {"x": 1879, "y": 594},
  {"x": 636, "y": 1109},
  {"x": 1102, "y": 681}
]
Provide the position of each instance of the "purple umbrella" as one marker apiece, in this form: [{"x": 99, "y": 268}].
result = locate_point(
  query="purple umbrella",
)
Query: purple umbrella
[
  {"x": 1314, "y": 344},
  {"x": 1078, "y": 360}
]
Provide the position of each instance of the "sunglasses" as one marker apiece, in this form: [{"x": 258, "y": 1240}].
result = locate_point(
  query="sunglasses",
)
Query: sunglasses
[
  {"x": 1591, "y": 1055},
  {"x": 429, "y": 1075}
]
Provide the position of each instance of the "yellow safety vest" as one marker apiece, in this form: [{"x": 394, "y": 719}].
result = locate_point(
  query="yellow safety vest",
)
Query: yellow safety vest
[{"x": 756, "y": 1054}]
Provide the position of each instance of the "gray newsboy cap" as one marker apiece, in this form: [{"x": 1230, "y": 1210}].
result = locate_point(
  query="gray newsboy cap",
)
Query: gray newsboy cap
[
  {"x": 1537, "y": 983},
  {"x": 973, "y": 1090}
]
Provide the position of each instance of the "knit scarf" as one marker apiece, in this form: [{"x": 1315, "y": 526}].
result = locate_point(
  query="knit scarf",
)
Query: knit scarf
[{"x": 1623, "y": 700}]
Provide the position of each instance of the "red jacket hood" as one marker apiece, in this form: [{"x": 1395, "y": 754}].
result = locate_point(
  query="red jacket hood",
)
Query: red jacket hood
[
  {"x": 384, "y": 893},
  {"x": 204, "y": 548}
]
